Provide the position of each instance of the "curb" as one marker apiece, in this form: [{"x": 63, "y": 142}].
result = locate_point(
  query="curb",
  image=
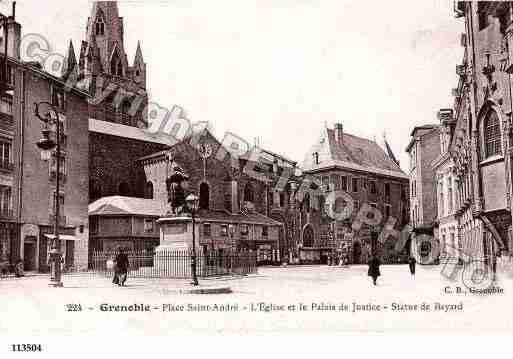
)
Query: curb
[{"x": 211, "y": 290}]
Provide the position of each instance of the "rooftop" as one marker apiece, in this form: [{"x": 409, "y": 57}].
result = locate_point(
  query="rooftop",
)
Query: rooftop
[
  {"x": 352, "y": 152},
  {"x": 120, "y": 205}
]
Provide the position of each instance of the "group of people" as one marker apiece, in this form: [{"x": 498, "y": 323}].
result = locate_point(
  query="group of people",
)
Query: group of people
[{"x": 375, "y": 262}]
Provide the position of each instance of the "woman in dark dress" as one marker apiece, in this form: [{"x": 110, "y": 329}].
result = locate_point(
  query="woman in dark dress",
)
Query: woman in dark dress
[
  {"x": 121, "y": 268},
  {"x": 373, "y": 272}
]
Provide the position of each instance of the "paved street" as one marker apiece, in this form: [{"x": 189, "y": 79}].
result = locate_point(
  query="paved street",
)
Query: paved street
[{"x": 280, "y": 288}]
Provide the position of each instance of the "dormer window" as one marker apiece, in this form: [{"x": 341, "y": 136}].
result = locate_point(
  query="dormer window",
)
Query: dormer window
[{"x": 100, "y": 26}]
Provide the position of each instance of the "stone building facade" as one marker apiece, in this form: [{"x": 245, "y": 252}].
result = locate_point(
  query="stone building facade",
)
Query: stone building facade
[
  {"x": 370, "y": 176},
  {"x": 28, "y": 193},
  {"x": 477, "y": 138},
  {"x": 446, "y": 182},
  {"x": 423, "y": 149}
]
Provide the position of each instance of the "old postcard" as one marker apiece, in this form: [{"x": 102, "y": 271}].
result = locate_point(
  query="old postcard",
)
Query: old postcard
[{"x": 287, "y": 166}]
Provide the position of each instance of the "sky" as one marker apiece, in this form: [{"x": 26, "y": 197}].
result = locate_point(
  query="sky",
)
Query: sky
[{"x": 281, "y": 70}]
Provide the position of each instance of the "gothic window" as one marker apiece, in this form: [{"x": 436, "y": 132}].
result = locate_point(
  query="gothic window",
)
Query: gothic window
[
  {"x": 307, "y": 203},
  {"x": 492, "y": 135},
  {"x": 125, "y": 107},
  {"x": 248, "y": 193},
  {"x": 116, "y": 67},
  {"x": 204, "y": 200},
  {"x": 322, "y": 205},
  {"x": 149, "y": 190},
  {"x": 308, "y": 236},
  {"x": 100, "y": 26}
]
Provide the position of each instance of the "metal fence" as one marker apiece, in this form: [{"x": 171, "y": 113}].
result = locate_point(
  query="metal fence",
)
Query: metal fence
[{"x": 173, "y": 264}]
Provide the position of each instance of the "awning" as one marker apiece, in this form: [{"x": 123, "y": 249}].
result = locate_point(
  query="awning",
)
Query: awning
[{"x": 63, "y": 237}]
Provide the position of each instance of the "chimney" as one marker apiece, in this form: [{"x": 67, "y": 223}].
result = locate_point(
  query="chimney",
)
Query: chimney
[
  {"x": 445, "y": 116},
  {"x": 339, "y": 132},
  {"x": 13, "y": 38}
]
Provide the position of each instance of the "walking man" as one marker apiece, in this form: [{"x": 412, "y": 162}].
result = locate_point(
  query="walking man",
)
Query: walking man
[
  {"x": 374, "y": 272},
  {"x": 411, "y": 263}
]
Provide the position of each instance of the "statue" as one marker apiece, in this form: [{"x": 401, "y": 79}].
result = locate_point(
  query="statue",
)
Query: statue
[{"x": 175, "y": 191}]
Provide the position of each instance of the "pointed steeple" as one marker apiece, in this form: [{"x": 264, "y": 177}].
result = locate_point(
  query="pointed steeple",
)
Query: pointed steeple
[
  {"x": 105, "y": 27},
  {"x": 138, "y": 60},
  {"x": 139, "y": 68},
  {"x": 70, "y": 64}
]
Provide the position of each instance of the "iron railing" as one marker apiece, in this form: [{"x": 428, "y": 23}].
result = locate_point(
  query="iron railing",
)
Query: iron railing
[{"x": 173, "y": 264}]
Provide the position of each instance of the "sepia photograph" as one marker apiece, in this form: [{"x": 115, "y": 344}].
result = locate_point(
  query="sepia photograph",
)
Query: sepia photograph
[{"x": 248, "y": 167}]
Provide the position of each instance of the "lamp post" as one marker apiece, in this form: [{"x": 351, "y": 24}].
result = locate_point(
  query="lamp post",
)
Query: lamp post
[
  {"x": 192, "y": 202},
  {"x": 46, "y": 145}
]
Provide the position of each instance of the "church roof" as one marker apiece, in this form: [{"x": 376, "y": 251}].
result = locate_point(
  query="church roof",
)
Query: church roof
[{"x": 131, "y": 132}]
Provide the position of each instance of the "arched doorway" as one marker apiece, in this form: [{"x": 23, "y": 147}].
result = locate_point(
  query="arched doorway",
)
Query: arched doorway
[
  {"x": 357, "y": 252},
  {"x": 204, "y": 196},
  {"x": 124, "y": 189},
  {"x": 283, "y": 236}
]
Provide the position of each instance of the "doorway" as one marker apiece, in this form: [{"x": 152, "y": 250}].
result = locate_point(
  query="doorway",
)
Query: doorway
[{"x": 29, "y": 254}]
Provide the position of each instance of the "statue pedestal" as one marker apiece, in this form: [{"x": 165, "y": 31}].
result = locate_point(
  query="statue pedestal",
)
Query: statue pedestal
[
  {"x": 173, "y": 255},
  {"x": 175, "y": 233}
]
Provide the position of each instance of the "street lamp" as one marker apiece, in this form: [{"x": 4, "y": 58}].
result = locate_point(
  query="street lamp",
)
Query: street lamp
[
  {"x": 46, "y": 145},
  {"x": 192, "y": 202}
]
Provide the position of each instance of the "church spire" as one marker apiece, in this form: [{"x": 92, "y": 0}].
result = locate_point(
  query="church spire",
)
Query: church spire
[
  {"x": 70, "y": 65},
  {"x": 138, "y": 55}
]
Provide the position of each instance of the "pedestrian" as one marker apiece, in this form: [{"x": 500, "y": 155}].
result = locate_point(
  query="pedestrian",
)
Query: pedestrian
[
  {"x": 411, "y": 263},
  {"x": 18, "y": 268},
  {"x": 373, "y": 272},
  {"x": 121, "y": 268}
]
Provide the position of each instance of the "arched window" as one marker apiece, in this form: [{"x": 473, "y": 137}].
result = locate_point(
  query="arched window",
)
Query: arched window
[
  {"x": 149, "y": 190},
  {"x": 125, "y": 107},
  {"x": 248, "y": 193},
  {"x": 123, "y": 189},
  {"x": 204, "y": 196},
  {"x": 322, "y": 204},
  {"x": 116, "y": 67},
  {"x": 492, "y": 135},
  {"x": 100, "y": 26},
  {"x": 308, "y": 236},
  {"x": 306, "y": 202}
]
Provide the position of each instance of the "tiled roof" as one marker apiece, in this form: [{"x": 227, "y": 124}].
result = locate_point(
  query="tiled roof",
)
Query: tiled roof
[
  {"x": 119, "y": 205},
  {"x": 249, "y": 218},
  {"x": 351, "y": 152}
]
